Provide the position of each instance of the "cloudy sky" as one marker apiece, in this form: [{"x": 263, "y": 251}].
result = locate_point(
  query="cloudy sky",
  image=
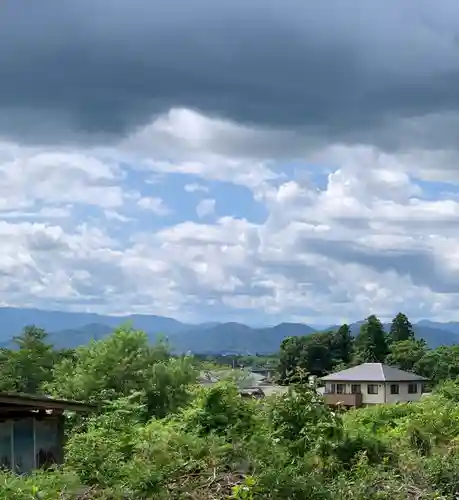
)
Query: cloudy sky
[{"x": 253, "y": 161}]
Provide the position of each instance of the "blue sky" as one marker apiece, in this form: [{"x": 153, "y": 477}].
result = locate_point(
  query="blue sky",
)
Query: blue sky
[{"x": 210, "y": 236}]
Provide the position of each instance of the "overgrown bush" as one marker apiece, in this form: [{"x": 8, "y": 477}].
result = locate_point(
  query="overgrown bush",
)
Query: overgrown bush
[
  {"x": 220, "y": 410},
  {"x": 40, "y": 485},
  {"x": 98, "y": 452}
]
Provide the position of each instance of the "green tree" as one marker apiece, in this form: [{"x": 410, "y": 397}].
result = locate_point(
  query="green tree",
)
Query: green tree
[
  {"x": 406, "y": 353},
  {"x": 290, "y": 357},
  {"x": 343, "y": 345},
  {"x": 29, "y": 365},
  {"x": 318, "y": 353},
  {"x": 371, "y": 343},
  {"x": 401, "y": 329},
  {"x": 312, "y": 354},
  {"x": 440, "y": 364},
  {"x": 122, "y": 364}
]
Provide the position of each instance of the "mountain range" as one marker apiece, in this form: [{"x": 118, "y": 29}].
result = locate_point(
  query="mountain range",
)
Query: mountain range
[{"x": 72, "y": 329}]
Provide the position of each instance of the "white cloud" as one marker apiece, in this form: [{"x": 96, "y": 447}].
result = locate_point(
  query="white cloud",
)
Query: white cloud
[
  {"x": 366, "y": 237},
  {"x": 43, "y": 213},
  {"x": 185, "y": 142},
  {"x": 116, "y": 216},
  {"x": 185, "y": 134},
  {"x": 205, "y": 207},
  {"x": 432, "y": 164},
  {"x": 30, "y": 175},
  {"x": 195, "y": 187},
  {"x": 155, "y": 205}
]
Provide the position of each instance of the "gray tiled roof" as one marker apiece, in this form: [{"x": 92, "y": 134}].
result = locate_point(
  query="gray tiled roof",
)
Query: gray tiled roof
[
  {"x": 271, "y": 390},
  {"x": 372, "y": 372}
]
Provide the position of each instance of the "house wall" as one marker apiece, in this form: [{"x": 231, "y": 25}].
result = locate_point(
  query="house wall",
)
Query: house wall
[
  {"x": 403, "y": 395},
  {"x": 366, "y": 398},
  {"x": 369, "y": 399},
  {"x": 384, "y": 395}
]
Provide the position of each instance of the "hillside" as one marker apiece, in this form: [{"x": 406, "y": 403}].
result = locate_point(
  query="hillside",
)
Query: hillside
[
  {"x": 73, "y": 338},
  {"x": 71, "y": 329},
  {"x": 236, "y": 338},
  {"x": 14, "y": 319},
  {"x": 451, "y": 326}
]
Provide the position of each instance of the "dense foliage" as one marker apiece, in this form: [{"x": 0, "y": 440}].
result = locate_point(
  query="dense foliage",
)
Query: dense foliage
[
  {"x": 158, "y": 435},
  {"x": 323, "y": 353}
]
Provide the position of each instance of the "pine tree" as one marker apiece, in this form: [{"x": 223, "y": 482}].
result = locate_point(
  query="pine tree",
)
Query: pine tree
[
  {"x": 401, "y": 329},
  {"x": 371, "y": 343},
  {"x": 342, "y": 344}
]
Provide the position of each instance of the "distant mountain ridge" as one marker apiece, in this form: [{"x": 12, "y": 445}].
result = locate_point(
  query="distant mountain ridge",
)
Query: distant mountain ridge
[
  {"x": 236, "y": 338},
  {"x": 450, "y": 326},
  {"x": 72, "y": 329},
  {"x": 14, "y": 319}
]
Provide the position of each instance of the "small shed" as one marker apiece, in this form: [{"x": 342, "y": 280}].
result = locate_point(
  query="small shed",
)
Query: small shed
[{"x": 32, "y": 430}]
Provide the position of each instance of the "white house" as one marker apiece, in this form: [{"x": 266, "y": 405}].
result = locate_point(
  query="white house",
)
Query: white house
[{"x": 372, "y": 383}]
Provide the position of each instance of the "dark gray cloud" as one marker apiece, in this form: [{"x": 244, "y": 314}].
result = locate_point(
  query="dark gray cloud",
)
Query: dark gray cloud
[
  {"x": 421, "y": 266},
  {"x": 340, "y": 68}
]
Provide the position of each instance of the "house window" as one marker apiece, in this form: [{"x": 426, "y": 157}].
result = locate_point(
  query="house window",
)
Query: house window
[
  {"x": 331, "y": 389},
  {"x": 340, "y": 388},
  {"x": 372, "y": 389},
  {"x": 394, "y": 389},
  {"x": 356, "y": 389},
  {"x": 412, "y": 388}
]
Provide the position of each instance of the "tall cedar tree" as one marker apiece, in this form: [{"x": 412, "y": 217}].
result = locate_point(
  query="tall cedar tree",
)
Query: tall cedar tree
[
  {"x": 342, "y": 344},
  {"x": 371, "y": 342},
  {"x": 401, "y": 329}
]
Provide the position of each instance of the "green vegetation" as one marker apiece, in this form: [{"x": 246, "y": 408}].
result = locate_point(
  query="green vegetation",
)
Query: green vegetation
[
  {"x": 322, "y": 353},
  {"x": 218, "y": 362},
  {"x": 158, "y": 435}
]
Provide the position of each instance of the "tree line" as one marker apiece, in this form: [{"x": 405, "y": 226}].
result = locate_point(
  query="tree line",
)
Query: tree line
[
  {"x": 322, "y": 353},
  {"x": 117, "y": 366},
  {"x": 33, "y": 365}
]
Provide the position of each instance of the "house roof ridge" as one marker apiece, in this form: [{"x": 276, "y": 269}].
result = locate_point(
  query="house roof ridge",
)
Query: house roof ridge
[{"x": 373, "y": 372}]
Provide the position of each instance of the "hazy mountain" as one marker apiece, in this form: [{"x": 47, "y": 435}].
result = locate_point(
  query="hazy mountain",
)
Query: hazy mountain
[
  {"x": 236, "y": 338},
  {"x": 322, "y": 328},
  {"x": 211, "y": 338},
  {"x": 71, "y": 329},
  {"x": 435, "y": 336},
  {"x": 451, "y": 326},
  {"x": 13, "y": 320},
  {"x": 79, "y": 336}
]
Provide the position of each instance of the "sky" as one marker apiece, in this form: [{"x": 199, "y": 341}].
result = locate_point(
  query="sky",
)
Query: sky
[{"x": 258, "y": 161}]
